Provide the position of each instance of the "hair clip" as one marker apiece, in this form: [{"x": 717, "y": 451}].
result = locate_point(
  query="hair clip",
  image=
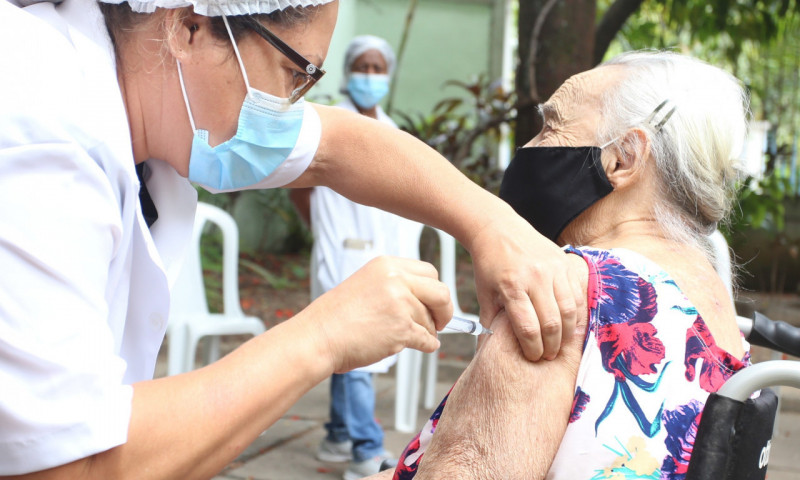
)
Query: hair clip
[{"x": 651, "y": 118}]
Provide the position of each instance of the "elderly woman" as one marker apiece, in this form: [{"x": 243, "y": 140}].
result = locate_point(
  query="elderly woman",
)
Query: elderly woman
[{"x": 624, "y": 398}]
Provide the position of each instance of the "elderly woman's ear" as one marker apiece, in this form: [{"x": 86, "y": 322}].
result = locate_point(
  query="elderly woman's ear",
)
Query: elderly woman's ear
[{"x": 626, "y": 160}]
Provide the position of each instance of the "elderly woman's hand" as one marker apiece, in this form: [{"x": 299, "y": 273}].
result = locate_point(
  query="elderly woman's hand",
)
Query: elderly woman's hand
[{"x": 519, "y": 270}]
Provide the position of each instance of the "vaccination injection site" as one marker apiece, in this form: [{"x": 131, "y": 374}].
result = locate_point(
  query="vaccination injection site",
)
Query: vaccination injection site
[{"x": 399, "y": 239}]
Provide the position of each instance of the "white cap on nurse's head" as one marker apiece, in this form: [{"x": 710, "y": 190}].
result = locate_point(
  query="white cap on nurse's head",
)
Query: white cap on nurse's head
[{"x": 215, "y": 8}]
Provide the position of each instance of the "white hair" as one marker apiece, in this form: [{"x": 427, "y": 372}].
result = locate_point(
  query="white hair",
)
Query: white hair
[{"x": 696, "y": 149}]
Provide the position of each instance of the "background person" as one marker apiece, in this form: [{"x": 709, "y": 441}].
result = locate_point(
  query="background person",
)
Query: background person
[
  {"x": 634, "y": 167},
  {"x": 347, "y": 235},
  {"x": 212, "y": 91}
]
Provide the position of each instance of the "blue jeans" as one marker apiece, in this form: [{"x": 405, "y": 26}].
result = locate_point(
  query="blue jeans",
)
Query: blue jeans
[{"x": 353, "y": 414}]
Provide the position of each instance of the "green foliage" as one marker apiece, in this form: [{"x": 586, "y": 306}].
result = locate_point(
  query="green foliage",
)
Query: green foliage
[
  {"x": 760, "y": 205},
  {"x": 726, "y": 24},
  {"x": 739, "y": 19},
  {"x": 211, "y": 263},
  {"x": 466, "y": 130},
  {"x": 266, "y": 219},
  {"x": 763, "y": 236}
]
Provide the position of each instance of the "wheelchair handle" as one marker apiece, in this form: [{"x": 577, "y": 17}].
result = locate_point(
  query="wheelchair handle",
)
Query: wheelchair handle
[
  {"x": 773, "y": 334},
  {"x": 761, "y": 375}
]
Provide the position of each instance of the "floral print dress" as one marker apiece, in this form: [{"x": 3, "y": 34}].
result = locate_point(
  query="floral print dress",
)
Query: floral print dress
[{"x": 648, "y": 365}]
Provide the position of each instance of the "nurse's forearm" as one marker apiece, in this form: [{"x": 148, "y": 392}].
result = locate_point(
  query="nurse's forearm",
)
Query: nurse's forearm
[
  {"x": 192, "y": 425},
  {"x": 375, "y": 164},
  {"x": 232, "y": 401}
]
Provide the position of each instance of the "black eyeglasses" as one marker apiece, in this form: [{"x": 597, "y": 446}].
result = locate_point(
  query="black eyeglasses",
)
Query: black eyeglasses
[{"x": 312, "y": 72}]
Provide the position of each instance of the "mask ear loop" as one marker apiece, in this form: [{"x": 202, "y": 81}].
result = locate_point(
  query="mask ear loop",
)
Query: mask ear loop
[
  {"x": 236, "y": 52},
  {"x": 609, "y": 143},
  {"x": 186, "y": 97},
  {"x": 241, "y": 66}
]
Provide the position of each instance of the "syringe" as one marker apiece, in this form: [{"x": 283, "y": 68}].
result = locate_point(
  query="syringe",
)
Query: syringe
[{"x": 460, "y": 324}]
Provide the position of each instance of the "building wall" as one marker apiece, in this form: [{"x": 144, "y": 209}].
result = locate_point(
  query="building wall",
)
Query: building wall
[{"x": 449, "y": 39}]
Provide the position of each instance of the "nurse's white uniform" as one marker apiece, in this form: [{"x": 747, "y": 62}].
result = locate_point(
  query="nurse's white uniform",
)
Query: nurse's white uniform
[{"x": 84, "y": 288}]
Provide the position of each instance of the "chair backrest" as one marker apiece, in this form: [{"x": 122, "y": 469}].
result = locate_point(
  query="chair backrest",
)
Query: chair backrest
[
  {"x": 733, "y": 439},
  {"x": 447, "y": 265},
  {"x": 722, "y": 259},
  {"x": 188, "y": 294}
]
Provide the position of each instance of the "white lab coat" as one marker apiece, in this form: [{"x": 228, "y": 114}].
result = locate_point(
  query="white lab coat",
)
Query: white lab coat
[
  {"x": 84, "y": 288},
  {"x": 347, "y": 235}
]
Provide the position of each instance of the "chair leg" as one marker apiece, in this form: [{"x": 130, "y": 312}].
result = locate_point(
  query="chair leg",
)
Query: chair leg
[
  {"x": 212, "y": 349},
  {"x": 431, "y": 370},
  {"x": 191, "y": 351},
  {"x": 406, "y": 407},
  {"x": 177, "y": 346}
]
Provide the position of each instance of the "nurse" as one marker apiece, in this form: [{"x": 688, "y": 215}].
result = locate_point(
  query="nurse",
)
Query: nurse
[{"x": 105, "y": 110}]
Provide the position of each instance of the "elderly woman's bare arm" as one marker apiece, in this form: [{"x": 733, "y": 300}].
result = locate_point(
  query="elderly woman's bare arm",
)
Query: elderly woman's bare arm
[
  {"x": 506, "y": 416},
  {"x": 384, "y": 475}
]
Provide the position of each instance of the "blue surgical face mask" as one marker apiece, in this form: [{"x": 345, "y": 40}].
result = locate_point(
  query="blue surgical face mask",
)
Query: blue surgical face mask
[
  {"x": 367, "y": 90},
  {"x": 267, "y": 132}
]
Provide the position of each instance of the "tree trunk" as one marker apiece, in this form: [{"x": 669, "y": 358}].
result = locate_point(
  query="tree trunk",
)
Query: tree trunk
[
  {"x": 556, "y": 41},
  {"x": 401, "y": 50}
]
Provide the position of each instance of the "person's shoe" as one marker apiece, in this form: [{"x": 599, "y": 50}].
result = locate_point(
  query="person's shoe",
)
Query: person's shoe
[
  {"x": 371, "y": 466},
  {"x": 389, "y": 464},
  {"x": 329, "y": 451}
]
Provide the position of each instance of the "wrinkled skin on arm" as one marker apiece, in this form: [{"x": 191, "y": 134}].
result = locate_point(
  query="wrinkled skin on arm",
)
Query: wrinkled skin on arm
[{"x": 506, "y": 416}]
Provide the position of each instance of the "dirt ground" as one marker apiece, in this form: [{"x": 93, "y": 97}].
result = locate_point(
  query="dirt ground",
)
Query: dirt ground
[{"x": 274, "y": 303}]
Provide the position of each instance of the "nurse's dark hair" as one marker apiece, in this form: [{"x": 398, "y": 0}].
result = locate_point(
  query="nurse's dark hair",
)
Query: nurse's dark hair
[{"x": 121, "y": 20}]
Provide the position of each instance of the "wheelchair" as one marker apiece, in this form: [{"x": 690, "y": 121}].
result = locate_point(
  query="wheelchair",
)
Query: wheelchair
[{"x": 735, "y": 433}]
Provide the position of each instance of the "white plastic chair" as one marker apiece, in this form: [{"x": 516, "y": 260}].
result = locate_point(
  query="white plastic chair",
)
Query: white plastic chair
[
  {"x": 722, "y": 259},
  {"x": 723, "y": 267},
  {"x": 189, "y": 319},
  {"x": 409, "y": 362}
]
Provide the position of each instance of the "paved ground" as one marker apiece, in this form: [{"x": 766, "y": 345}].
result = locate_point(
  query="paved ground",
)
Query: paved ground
[{"x": 286, "y": 451}]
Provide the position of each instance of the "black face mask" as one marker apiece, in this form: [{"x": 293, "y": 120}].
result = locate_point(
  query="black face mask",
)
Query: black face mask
[{"x": 551, "y": 186}]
